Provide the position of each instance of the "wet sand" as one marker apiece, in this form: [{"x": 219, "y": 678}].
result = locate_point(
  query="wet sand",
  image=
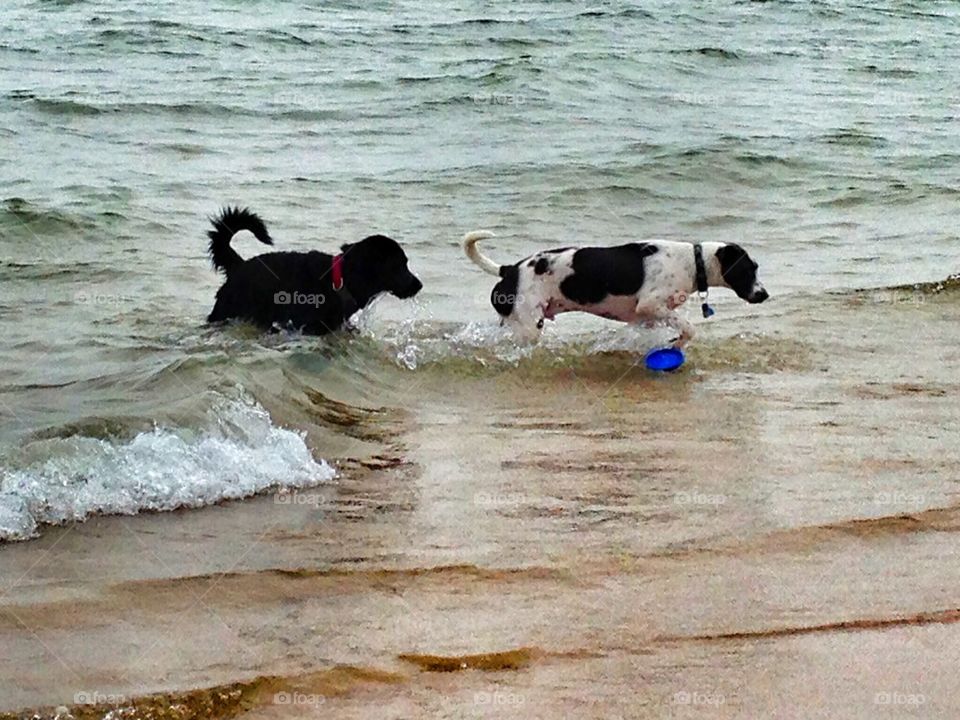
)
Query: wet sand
[{"x": 761, "y": 535}]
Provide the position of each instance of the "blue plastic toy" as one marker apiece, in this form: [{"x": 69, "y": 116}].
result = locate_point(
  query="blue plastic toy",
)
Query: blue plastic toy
[{"x": 664, "y": 359}]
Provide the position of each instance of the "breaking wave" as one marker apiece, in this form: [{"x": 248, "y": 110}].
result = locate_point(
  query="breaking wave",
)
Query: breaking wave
[{"x": 239, "y": 453}]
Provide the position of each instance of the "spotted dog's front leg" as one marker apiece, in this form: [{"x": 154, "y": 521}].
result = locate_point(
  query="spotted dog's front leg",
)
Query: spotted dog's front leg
[
  {"x": 656, "y": 314},
  {"x": 684, "y": 327}
]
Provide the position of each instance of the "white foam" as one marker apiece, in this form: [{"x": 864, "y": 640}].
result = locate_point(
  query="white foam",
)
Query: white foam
[
  {"x": 417, "y": 341},
  {"x": 239, "y": 453}
]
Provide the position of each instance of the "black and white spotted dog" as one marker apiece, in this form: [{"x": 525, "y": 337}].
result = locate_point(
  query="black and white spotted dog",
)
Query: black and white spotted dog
[{"x": 640, "y": 282}]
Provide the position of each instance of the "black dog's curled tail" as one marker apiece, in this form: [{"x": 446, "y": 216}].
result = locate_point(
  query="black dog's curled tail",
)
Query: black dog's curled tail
[{"x": 228, "y": 223}]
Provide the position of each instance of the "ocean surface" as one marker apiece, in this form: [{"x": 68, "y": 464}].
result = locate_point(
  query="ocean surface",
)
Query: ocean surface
[{"x": 820, "y": 135}]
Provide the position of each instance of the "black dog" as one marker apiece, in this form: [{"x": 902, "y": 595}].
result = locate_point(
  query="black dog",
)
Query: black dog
[{"x": 312, "y": 292}]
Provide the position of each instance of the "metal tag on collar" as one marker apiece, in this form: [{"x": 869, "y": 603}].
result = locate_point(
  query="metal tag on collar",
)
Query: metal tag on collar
[{"x": 704, "y": 307}]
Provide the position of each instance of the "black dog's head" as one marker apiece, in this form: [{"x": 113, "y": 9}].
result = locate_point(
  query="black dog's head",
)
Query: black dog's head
[
  {"x": 377, "y": 264},
  {"x": 739, "y": 273}
]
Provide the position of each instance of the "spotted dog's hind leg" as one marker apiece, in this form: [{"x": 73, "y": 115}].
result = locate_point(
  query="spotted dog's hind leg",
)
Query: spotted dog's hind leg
[
  {"x": 529, "y": 307},
  {"x": 525, "y": 324}
]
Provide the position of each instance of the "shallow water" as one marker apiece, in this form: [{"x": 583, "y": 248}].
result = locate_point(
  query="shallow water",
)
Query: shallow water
[{"x": 817, "y": 136}]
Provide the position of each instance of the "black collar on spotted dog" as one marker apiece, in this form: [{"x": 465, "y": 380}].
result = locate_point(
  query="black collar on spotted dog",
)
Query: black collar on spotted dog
[
  {"x": 702, "y": 288},
  {"x": 701, "y": 269}
]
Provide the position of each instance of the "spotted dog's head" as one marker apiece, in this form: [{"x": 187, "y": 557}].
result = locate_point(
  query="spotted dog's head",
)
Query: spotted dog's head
[{"x": 739, "y": 273}]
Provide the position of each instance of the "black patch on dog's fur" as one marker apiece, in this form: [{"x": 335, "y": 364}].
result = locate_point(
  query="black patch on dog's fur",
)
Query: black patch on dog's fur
[
  {"x": 599, "y": 272},
  {"x": 295, "y": 289},
  {"x": 504, "y": 294},
  {"x": 738, "y": 269},
  {"x": 541, "y": 266}
]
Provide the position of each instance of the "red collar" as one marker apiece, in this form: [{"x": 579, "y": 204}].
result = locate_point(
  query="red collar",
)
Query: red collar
[{"x": 336, "y": 270}]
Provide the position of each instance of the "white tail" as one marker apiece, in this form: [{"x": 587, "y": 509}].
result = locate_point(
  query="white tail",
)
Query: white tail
[{"x": 470, "y": 241}]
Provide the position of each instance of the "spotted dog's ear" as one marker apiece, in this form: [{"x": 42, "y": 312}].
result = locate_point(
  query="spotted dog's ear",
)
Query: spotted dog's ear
[
  {"x": 738, "y": 269},
  {"x": 729, "y": 254}
]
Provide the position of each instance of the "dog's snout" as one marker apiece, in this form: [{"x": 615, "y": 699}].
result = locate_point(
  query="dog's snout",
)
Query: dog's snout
[
  {"x": 759, "y": 296},
  {"x": 411, "y": 288}
]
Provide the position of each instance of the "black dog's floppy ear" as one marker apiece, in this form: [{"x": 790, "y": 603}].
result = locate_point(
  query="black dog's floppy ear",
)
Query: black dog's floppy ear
[{"x": 346, "y": 247}]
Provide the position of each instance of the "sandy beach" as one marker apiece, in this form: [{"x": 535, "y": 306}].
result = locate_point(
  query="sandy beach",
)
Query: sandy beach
[{"x": 587, "y": 541}]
